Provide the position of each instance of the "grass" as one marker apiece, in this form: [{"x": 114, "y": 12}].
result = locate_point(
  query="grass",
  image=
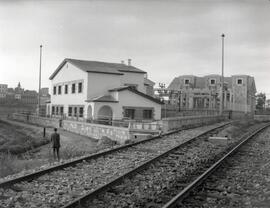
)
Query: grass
[
  {"x": 17, "y": 140},
  {"x": 11, "y": 164},
  {"x": 15, "y": 145}
]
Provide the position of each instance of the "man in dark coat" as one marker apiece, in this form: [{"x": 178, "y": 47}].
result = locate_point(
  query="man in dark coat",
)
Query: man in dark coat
[{"x": 55, "y": 139}]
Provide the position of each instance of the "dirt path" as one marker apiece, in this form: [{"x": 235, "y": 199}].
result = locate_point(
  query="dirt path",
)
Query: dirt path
[{"x": 70, "y": 142}]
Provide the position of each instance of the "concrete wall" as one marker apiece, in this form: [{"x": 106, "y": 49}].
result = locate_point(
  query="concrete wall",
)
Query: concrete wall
[
  {"x": 262, "y": 117},
  {"x": 127, "y": 98},
  {"x": 97, "y": 131},
  {"x": 182, "y": 122},
  {"x": 42, "y": 121}
]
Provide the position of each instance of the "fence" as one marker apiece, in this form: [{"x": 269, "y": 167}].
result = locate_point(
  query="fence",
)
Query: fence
[
  {"x": 174, "y": 111},
  {"x": 43, "y": 121}
]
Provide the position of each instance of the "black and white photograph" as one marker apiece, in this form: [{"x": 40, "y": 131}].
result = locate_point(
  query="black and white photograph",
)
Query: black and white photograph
[{"x": 134, "y": 103}]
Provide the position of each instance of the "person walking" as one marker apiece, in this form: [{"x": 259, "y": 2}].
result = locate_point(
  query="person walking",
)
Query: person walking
[{"x": 55, "y": 139}]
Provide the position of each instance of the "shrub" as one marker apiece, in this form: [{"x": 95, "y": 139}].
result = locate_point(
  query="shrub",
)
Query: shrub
[{"x": 106, "y": 141}]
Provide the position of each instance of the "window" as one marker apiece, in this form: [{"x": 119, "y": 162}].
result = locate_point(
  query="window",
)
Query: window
[
  {"x": 61, "y": 110},
  {"x": 228, "y": 96},
  {"x": 80, "y": 87},
  {"x": 212, "y": 81},
  {"x": 59, "y": 90},
  {"x": 81, "y": 112},
  {"x": 53, "y": 110},
  {"x": 54, "y": 90},
  {"x": 69, "y": 111},
  {"x": 56, "y": 110},
  {"x": 75, "y": 111},
  {"x": 239, "y": 81},
  {"x": 129, "y": 113},
  {"x": 73, "y": 88},
  {"x": 147, "y": 114},
  {"x": 186, "y": 81},
  {"x": 66, "y": 89}
]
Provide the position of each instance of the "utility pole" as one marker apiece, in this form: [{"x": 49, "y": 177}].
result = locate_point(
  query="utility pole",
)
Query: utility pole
[
  {"x": 222, "y": 77},
  {"x": 39, "y": 84},
  {"x": 179, "y": 101},
  {"x": 162, "y": 87}
]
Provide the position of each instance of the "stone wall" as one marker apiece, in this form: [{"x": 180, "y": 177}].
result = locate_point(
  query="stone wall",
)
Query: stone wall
[
  {"x": 96, "y": 131},
  {"x": 9, "y": 110},
  {"x": 183, "y": 122},
  {"x": 41, "y": 121},
  {"x": 262, "y": 117}
]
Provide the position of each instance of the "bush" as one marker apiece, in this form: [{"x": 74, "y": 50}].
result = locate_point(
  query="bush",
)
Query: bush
[
  {"x": 106, "y": 141},
  {"x": 11, "y": 164},
  {"x": 67, "y": 152}
]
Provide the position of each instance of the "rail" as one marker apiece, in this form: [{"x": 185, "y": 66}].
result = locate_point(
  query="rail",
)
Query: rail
[
  {"x": 198, "y": 181},
  {"x": 34, "y": 175},
  {"x": 93, "y": 194}
]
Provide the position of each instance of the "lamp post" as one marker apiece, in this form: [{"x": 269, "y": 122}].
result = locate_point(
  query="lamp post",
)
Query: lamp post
[
  {"x": 222, "y": 77},
  {"x": 39, "y": 83},
  {"x": 162, "y": 87}
]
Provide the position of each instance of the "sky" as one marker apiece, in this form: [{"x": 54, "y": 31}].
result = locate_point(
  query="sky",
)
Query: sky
[{"x": 165, "y": 38}]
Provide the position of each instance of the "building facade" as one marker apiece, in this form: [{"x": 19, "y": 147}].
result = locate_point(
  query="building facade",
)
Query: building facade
[
  {"x": 19, "y": 96},
  {"x": 192, "y": 92},
  {"x": 100, "y": 90},
  {"x": 3, "y": 90}
]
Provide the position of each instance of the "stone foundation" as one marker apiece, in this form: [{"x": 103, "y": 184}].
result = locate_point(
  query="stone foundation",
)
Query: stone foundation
[{"x": 96, "y": 131}]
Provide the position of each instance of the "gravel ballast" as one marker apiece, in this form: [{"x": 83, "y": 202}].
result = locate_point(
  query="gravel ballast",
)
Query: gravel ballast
[
  {"x": 60, "y": 187},
  {"x": 243, "y": 181}
]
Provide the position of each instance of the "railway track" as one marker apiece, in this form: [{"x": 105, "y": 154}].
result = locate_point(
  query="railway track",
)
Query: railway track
[
  {"x": 206, "y": 184},
  {"x": 56, "y": 186},
  {"x": 156, "y": 181}
]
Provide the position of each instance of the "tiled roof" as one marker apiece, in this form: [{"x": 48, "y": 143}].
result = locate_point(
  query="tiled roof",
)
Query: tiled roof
[
  {"x": 98, "y": 67},
  {"x": 119, "y": 88},
  {"x": 175, "y": 84},
  {"x": 136, "y": 92},
  {"x": 148, "y": 82},
  {"x": 103, "y": 98}
]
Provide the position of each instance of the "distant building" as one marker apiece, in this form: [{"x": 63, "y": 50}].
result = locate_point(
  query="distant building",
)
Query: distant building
[
  {"x": 267, "y": 104},
  {"x": 100, "y": 90},
  {"x": 29, "y": 97},
  {"x": 19, "y": 96},
  {"x": 44, "y": 91},
  {"x": 44, "y": 99},
  {"x": 3, "y": 90},
  {"x": 192, "y": 92}
]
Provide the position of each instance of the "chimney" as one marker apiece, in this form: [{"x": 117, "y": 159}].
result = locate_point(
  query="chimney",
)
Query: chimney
[{"x": 129, "y": 62}]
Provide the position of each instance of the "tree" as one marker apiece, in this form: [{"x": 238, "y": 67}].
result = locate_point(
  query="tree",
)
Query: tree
[{"x": 260, "y": 101}]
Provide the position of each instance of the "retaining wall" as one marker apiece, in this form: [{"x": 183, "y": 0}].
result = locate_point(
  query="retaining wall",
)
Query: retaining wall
[
  {"x": 96, "y": 131},
  {"x": 41, "y": 121},
  {"x": 262, "y": 117},
  {"x": 182, "y": 122}
]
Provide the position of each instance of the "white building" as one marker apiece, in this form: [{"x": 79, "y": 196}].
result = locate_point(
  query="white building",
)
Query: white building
[{"x": 98, "y": 90}]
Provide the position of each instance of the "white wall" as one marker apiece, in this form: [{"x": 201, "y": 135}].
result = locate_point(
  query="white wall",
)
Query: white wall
[
  {"x": 127, "y": 98},
  {"x": 100, "y": 83},
  {"x": 134, "y": 78},
  {"x": 67, "y": 75},
  {"x": 114, "y": 107}
]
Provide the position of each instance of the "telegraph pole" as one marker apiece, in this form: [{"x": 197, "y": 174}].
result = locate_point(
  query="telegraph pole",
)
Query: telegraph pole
[
  {"x": 39, "y": 84},
  {"x": 222, "y": 77}
]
